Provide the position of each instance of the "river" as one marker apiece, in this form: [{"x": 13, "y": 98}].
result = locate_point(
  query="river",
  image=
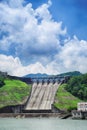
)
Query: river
[{"x": 42, "y": 124}]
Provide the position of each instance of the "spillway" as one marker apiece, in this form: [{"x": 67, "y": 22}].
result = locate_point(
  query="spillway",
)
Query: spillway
[{"x": 42, "y": 97}]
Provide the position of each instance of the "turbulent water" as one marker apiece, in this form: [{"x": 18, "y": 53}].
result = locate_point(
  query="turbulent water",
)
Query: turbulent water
[{"x": 42, "y": 124}]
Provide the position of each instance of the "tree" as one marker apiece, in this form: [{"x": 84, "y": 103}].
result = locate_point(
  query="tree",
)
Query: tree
[
  {"x": 1, "y": 81},
  {"x": 78, "y": 86}
]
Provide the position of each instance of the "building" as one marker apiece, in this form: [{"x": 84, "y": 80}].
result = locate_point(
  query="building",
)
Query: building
[
  {"x": 82, "y": 106},
  {"x": 81, "y": 112}
]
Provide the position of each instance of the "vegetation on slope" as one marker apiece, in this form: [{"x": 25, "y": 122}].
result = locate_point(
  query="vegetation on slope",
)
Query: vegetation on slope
[
  {"x": 65, "y": 100},
  {"x": 78, "y": 86},
  {"x": 13, "y": 92}
]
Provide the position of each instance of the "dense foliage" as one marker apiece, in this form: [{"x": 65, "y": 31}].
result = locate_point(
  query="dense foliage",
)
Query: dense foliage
[
  {"x": 78, "y": 86},
  {"x": 1, "y": 81}
]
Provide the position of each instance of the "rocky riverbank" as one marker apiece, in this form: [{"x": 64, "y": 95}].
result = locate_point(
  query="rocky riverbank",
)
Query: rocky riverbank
[{"x": 32, "y": 115}]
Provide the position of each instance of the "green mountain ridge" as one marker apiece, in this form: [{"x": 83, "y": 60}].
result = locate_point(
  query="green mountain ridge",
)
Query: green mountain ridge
[
  {"x": 38, "y": 75},
  {"x": 73, "y": 73}
]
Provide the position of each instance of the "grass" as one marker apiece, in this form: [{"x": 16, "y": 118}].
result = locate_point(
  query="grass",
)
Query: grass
[
  {"x": 65, "y": 100},
  {"x": 13, "y": 92}
]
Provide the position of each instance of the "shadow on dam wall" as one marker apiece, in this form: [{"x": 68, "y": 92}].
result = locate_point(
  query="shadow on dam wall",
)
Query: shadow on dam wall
[
  {"x": 26, "y": 80},
  {"x": 12, "y": 109},
  {"x": 20, "y": 109}
]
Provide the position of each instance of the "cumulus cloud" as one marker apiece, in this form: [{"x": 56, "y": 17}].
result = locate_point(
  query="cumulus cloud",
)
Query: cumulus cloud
[
  {"x": 9, "y": 64},
  {"x": 32, "y": 39},
  {"x": 14, "y": 67},
  {"x": 73, "y": 55},
  {"x": 32, "y": 31}
]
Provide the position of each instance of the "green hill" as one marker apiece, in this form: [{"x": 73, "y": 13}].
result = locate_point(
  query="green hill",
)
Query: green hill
[
  {"x": 65, "y": 100},
  {"x": 69, "y": 94},
  {"x": 13, "y": 92},
  {"x": 74, "y": 73}
]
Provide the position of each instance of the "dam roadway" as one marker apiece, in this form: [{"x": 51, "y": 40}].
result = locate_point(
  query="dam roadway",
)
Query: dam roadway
[{"x": 42, "y": 97}]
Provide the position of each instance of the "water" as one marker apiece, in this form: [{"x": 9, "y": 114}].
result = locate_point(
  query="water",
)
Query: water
[{"x": 42, "y": 124}]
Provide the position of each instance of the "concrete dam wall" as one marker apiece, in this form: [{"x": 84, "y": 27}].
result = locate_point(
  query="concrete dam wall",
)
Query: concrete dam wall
[{"x": 42, "y": 97}]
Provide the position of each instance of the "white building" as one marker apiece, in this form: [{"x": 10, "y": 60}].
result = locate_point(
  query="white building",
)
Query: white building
[{"x": 82, "y": 106}]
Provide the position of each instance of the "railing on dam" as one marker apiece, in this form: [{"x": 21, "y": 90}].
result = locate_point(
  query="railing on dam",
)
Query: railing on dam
[{"x": 48, "y": 80}]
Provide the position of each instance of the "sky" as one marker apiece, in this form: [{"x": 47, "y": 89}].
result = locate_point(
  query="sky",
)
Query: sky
[{"x": 43, "y": 36}]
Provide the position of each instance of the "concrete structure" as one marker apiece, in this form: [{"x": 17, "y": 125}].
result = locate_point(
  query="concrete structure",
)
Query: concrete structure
[
  {"x": 48, "y": 80},
  {"x": 76, "y": 114},
  {"x": 42, "y": 97},
  {"x": 82, "y": 106},
  {"x": 81, "y": 112}
]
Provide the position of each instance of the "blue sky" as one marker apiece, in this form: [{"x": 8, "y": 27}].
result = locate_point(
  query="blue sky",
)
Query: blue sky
[
  {"x": 73, "y": 13},
  {"x": 45, "y": 36}
]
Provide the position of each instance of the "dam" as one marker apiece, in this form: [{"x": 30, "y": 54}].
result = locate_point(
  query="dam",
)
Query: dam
[{"x": 42, "y": 97}]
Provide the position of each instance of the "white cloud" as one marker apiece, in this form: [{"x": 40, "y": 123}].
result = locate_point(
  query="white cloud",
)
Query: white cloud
[
  {"x": 33, "y": 32},
  {"x": 14, "y": 67},
  {"x": 73, "y": 56},
  {"x": 9, "y": 64},
  {"x": 16, "y": 4},
  {"x": 43, "y": 13},
  {"x": 35, "y": 38}
]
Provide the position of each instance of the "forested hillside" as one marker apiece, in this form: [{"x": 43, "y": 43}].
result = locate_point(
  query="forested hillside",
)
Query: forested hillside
[{"x": 78, "y": 86}]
